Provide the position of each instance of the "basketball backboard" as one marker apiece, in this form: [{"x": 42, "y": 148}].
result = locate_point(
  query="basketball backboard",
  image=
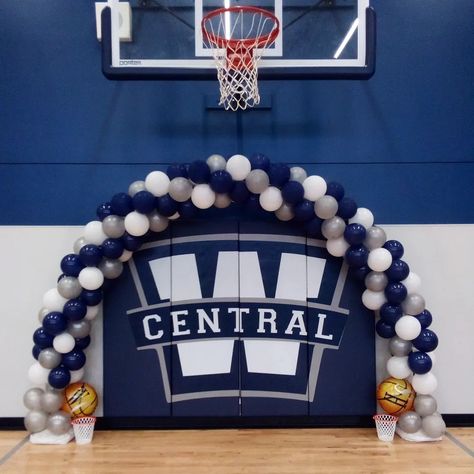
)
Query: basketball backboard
[{"x": 319, "y": 39}]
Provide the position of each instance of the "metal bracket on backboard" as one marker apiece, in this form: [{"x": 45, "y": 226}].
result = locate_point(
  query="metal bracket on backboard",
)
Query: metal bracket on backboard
[{"x": 131, "y": 73}]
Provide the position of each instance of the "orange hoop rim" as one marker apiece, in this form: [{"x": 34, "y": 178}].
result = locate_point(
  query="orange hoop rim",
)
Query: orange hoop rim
[{"x": 254, "y": 42}]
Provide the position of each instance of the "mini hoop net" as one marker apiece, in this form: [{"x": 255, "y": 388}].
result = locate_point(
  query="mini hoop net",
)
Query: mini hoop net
[
  {"x": 385, "y": 426},
  {"x": 238, "y": 37},
  {"x": 83, "y": 429}
]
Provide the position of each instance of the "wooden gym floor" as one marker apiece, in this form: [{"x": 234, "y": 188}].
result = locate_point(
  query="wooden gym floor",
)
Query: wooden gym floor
[{"x": 269, "y": 451}]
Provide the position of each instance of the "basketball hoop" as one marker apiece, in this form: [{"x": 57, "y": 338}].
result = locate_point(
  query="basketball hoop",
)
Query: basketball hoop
[{"x": 238, "y": 37}]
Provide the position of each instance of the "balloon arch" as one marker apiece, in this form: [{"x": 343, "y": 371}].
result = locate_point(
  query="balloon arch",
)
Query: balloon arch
[{"x": 321, "y": 208}]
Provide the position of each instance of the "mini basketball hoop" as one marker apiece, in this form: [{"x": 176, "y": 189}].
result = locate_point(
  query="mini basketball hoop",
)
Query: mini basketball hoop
[
  {"x": 238, "y": 37},
  {"x": 385, "y": 425},
  {"x": 83, "y": 429}
]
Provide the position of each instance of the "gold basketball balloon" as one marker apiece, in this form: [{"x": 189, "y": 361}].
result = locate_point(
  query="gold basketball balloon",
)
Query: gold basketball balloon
[
  {"x": 80, "y": 399},
  {"x": 395, "y": 396}
]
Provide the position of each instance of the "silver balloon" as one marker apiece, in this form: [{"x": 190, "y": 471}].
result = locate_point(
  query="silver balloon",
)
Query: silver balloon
[
  {"x": 298, "y": 174},
  {"x": 49, "y": 358},
  {"x": 113, "y": 226},
  {"x": 425, "y": 405},
  {"x": 216, "y": 163},
  {"x": 257, "y": 181},
  {"x": 158, "y": 223},
  {"x": 399, "y": 347},
  {"x": 222, "y": 201},
  {"x": 59, "y": 423},
  {"x": 52, "y": 401},
  {"x": 180, "y": 189},
  {"x": 285, "y": 213},
  {"x": 42, "y": 313},
  {"x": 79, "y": 329},
  {"x": 32, "y": 398},
  {"x": 35, "y": 421},
  {"x": 433, "y": 425},
  {"x": 333, "y": 228},
  {"x": 409, "y": 422},
  {"x": 69, "y": 287},
  {"x": 111, "y": 268},
  {"x": 326, "y": 207},
  {"x": 136, "y": 187},
  {"x": 78, "y": 244},
  {"x": 413, "y": 304},
  {"x": 376, "y": 281},
  {"x": 375, "y": 237}
]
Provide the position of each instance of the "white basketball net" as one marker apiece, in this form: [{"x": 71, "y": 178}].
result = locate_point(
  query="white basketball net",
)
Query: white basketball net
[{"x": 238, "y": 37}]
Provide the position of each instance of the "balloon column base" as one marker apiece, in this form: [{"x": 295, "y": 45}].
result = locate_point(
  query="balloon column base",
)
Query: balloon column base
[
  {"x": 46, "y": 437},
  {"x": 417, "y": 437}
]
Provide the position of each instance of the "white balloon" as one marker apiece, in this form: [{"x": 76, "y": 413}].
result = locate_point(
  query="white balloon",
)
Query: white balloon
[
  {"x": 238, "y": 166},
  {"x": 398, "y": 367},
  {"x": 379, "y": 260},
  {"x": 412, "y": 283},
  {"x": 363, "y": 217},
  {"x": 424, "y": 384},
  {"x": 222, "y": 201},
  {"x": 314, "y": 187},
  {"x": 92, "y": 312},
  {"x": 373, "y": 299},
  {"x": 77, "y": 375},
  {"x": 271, "y": 199},
  {"x": 126, "y": 255},
  {"x": 64, "y": 343},
  {"x": 408, "y": 328},
  {"x": 174, "y": 216},
  {"x": 203, "y": 197},
  {"x": 91, "y": 278},
  {"x": 337, "y": 247},
  {"x": 53, "y": 301},
  {"x": 136, "y": 224},
  {"x": 157, "y": 183},
  {"x": 94, "y": 234},
  {"x": 38, "y": 375}
]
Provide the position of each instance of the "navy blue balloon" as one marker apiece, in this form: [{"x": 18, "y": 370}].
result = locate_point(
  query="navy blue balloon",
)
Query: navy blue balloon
[
  {"x": 419, "y": 362},
  {"x": 187, "y": 209},
  {"x": 304, "y": 211},
  {"x": 42, "y": 339},
  {"x": 395, "y": 248},
  {"x": 55, "y": 323},
  {"x": 144, "y": 202},
  {"x": 82, "y": 343},
  {"x": 279, "y": 174},
  {"x": 355, "y": 234},
  {"x": 240, "y": 192},
  {"x": 167, "y": 206},
  {"x": 357, "y": 255},
  {"x": 122, "y": 204},
  {"x": 391, "y": 313},
  {"x": 292, "y": 192},
  {"x": 252, "y": 204},
  {"x": 425, "y": 318},
  {"x": 90, "y": 255},
  {"x": 313, "y": 228},
  {"x": 112, "y": 248},
  {"x": 397, "y": 271},
  {"x": 395, "y": 292},
  {"x": 130, "y": 242},
  {"x": 71, "y": 265},
  {"x": 384, "y": 329},
  {"x": 199, "y": 172},
  {"x": 59, "y": 377},
  {"x": 91, "y": 297},
  {"x": 177, "y": 171},
  {"x": 347, "y": 208},
  {"x": 75, "y": 309},
  {"x": 427, "y": 341},
  {"x": 104, "y": 210},
  {"x": 36, "y": 351},
  {"x": 259, "y": 161},
  {"x": 221, "y": 181},
  {"x": 359, "y": 273},
  {"x": 335, "y": 190},
  {"x": 74, "y": 360}
]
